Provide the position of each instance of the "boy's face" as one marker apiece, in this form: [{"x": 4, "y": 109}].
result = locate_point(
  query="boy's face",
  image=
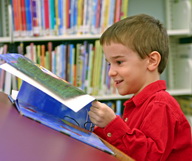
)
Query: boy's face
[{"x": 128, "y": 71}]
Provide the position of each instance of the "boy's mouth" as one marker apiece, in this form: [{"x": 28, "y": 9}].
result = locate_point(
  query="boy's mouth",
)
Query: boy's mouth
[{"x": 118, "y": 81}]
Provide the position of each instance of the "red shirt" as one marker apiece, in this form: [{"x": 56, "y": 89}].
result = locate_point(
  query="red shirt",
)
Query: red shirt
[{"x": 152, "y": 128}]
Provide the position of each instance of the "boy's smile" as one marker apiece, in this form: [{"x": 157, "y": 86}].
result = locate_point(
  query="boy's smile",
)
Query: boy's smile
[{"x": 126, "y": 68}]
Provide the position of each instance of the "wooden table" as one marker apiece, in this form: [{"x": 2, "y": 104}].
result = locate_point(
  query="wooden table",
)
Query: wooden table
[{"x": 23, "y": 139}]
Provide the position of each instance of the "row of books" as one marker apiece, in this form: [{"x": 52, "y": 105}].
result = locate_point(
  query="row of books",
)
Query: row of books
[
  {"x": 59, "y": 17},
  {"x": 82, "y": 64}
]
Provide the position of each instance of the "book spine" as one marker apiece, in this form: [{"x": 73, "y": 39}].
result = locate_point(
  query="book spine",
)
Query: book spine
[
  {"x": 46, "y": 17},
  {"x": 35, "y": 20},
  {"x": 23, "y": 17},
  {"x": 52, "y": 20},
  {"x": 124, "y": 9},
  {"x": 28, "y": 10},
  {"x": 2, "y": 79},
  {"x": 17, "y": 17},
  {"x": 42, "y": 56},
  {"x": 57, "y": 17},
  {"x": 98, "y": 16},
  {"x": 94, "y": 13},
  {"x": 67, "y": 11},
  {"x": 50, "y": 48},
  {"x": 4, "y": 25},
  {"x": 60, "y": 16},
  {"x": 71, "y": 63},
  {"x": 79, "y": 16},
  {"x": 118, "y": 107},
  {"x": 90, "y": 69},
  {"x": 63, "y": 61},
  {"x": 118, "y": 10},
  {"x": 111, "y": 12}
]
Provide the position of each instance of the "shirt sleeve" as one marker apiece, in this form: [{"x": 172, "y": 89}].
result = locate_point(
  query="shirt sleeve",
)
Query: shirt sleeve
[{"x": 153, "y": 140}]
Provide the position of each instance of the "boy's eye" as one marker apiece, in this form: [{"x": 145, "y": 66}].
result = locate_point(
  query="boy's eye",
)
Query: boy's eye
[
  {"x": 108, "y": 64},
  {"x": 119, "y": 62}
]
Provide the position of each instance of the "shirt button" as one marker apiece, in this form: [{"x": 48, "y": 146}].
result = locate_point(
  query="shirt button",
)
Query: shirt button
[
  {"x": 126, "y": 119},
  {"x": 109, "y": 134}
]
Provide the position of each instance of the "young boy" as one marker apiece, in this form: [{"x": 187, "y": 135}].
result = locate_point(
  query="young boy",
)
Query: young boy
[{"x": 153, "y": 127}]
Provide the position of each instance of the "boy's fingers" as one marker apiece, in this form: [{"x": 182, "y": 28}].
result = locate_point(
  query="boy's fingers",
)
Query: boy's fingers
[{"x": 96, "y": 104}]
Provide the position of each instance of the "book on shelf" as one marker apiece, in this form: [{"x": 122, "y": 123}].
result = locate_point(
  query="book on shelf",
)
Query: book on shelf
[
  {"x": 52, "y": 16},
  {"x": 4, "y": 23},
  {"x": 16, "y": 5},
  {"x": 23, "y": 17},
  {"x": 28, "y": 10},
  {"x": 50, "y": 100}
]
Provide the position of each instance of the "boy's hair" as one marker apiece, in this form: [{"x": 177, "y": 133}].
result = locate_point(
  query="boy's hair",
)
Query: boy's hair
[{"x": 141, "y": 33}]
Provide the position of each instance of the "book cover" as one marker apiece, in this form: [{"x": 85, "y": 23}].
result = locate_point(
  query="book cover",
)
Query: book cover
[
  {"x": 46, "y": 81},
  {"x": 48, "y": 99}
]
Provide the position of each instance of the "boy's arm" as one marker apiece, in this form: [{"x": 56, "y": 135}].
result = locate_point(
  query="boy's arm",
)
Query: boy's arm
[{"x": 153, "y": 139}]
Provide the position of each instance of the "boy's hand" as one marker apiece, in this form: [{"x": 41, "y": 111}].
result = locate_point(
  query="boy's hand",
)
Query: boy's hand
[{"x": 100, "y": 114}]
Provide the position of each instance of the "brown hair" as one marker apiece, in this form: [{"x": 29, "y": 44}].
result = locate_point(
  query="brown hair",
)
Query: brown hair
[{"x": 141, "y": 33}]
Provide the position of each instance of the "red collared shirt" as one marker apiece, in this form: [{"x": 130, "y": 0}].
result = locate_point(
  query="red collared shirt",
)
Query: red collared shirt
[{"x": 152, "y": 128}]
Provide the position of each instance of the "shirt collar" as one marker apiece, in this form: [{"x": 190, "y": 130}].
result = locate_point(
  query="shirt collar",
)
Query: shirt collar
[{"x": 146, "y": 92}]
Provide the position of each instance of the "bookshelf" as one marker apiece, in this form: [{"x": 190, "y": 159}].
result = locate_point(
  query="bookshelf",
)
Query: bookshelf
[
  {"x": 165, "y": 12},
  {"x": 58, "y": 38}
]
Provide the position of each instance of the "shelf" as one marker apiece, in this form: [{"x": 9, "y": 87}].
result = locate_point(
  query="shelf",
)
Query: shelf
[
  {"x": 180, "y": 92},
  {"x": 179, "y": 32},
  {"x": 5, "y": 39},
  {"x": 174, "y": 92},
  {"x": 112, "y": 97},
  {"x": 77, "y": 37},
  {"x": 57, "y": 38}
]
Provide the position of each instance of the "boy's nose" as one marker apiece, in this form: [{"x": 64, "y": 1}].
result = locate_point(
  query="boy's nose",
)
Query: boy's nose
[{"x": 112, "y": 72}]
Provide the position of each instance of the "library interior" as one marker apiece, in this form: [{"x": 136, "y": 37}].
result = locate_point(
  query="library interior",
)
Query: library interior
[{"x": 62, "y": 39}]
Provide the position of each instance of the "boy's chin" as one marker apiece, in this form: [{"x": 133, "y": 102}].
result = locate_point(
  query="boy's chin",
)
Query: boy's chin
[{"x": 122, "y": 93}]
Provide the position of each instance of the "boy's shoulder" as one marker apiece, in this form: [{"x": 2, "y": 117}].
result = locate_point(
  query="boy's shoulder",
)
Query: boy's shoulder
[{"x": 170, "y": 103}]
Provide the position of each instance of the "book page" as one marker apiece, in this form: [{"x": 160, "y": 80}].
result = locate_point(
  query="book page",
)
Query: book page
[{"x": 46, "y": 81}]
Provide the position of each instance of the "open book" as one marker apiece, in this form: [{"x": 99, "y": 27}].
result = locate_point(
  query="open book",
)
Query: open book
[{"x": 52, "y": 101}]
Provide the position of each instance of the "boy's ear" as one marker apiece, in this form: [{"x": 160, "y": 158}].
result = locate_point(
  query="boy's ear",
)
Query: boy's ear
[{"x": 154, "y": 59}]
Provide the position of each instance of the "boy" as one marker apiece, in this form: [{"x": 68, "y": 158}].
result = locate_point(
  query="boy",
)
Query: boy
[{"x": 153, "y": 127}]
